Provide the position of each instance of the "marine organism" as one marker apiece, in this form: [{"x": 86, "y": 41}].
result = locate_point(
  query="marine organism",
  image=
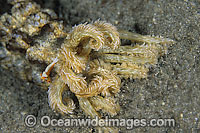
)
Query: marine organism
[{"x": 89, "y": 60}]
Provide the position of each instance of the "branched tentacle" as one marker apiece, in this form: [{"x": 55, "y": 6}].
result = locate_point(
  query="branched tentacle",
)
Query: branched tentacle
[
  {"x": 104, "y": 82},
  {"x": 85, "y": 31},
  {"x": 76, "y": 83},
  {"x": 144, "y": 39},
  {"x": 110, "y": 32},
  {"x": 140, "y": 54},
  {"x": 87, "y": 107},
  {"x": 107, "y": 104},
  {"x": 55, "y": 97},
  {"x": 110, "y": 82},
  {"x": 131, "y": 62},
  {"x": 93, "y": 88},
  {"x": 72, "y": 60},
  {"x": 129, "y": 70}
]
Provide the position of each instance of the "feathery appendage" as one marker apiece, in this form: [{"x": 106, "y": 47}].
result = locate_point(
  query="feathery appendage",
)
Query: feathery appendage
[
  {"x": 89, "y": 109},
  {"x": 107, "y": 104},
  {"x": 84, "y": 32},
  {"x": 144, "y": 39},
  {"x": 133, "y": 62},
  {"x": 110, "y": 32},
  {"x": 55, "y": 97}
]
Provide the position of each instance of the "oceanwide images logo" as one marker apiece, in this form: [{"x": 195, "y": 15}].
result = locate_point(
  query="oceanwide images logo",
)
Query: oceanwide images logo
[{"x": 46, "y": 121}]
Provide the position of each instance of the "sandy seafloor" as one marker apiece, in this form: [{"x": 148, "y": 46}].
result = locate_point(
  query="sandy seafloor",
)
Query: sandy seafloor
[{"x": 171, "y": 90}]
